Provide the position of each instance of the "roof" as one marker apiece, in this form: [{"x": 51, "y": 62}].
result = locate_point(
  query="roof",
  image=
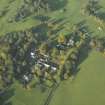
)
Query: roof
[{"x": 26, "y": 77}]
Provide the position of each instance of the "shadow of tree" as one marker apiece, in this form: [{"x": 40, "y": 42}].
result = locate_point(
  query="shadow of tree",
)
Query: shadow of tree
[
  {"x": 5, "y": 97},
  {"x": 83, "y": 55},
  {"x": 42, "y": 18},
  {"x": 43, "y": 29},
  {"x": 101, "y": 15},
  {"x": 57, "y": 4}
]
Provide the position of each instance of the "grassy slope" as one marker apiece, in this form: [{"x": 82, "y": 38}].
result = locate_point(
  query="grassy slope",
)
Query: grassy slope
[{"x": 87, "y": 88}]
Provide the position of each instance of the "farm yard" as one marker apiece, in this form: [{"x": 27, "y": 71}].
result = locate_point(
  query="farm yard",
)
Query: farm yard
[{"x": 52, "y": 52}]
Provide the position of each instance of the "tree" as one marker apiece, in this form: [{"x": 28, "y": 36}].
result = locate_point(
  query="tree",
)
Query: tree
[
  {"x": 74, "y": 56},
  {"x": 6, "y": 69},
  {"x": 61, "y": 38},
  {"x": 5, "y": 95},
  {"x": 43, "y": 48},
  {"x": 54, "y": 52},
  {"x": 68, "y": 67},
  {"x": 93, "y": 7},
  {"x": 100, "y": 45}
]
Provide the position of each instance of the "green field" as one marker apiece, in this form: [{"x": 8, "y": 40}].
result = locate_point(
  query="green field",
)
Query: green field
[
  {"x": 88, "y": 87},
  {"x": 26, "y": 97}
]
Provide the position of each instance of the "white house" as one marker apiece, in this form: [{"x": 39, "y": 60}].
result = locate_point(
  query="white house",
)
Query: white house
[
  {"x": 70, "y": 42},
  {"x": 32, "y": 55},
  {"x": 26, "y": 78}
]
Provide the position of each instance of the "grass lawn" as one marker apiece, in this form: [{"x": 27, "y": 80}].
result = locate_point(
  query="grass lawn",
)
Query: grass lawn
[
  {"x": 88, "y": 88},
  {"x": 28, "y": 97}
]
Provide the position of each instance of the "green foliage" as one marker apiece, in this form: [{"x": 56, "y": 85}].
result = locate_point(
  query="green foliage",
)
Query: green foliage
[
  {"x": 6, "y": 69},
  {"x": 93, "y": 7}
]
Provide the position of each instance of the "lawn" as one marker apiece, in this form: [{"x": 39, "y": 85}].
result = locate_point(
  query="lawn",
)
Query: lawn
[
  {"x": 28, "y": 97},
  {"x": 88, "y": 87}
]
